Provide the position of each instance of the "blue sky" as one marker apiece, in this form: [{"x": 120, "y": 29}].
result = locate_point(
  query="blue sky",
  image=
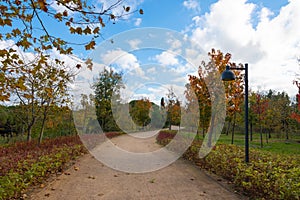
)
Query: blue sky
[
  {"x": 263, "y": 33},
  {"x": 174, "y": 15}
]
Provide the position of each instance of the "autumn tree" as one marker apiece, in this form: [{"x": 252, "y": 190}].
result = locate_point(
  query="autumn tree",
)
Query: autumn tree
[
  {"x": 207, "y": 73},
  {"x": 192, "y": 108},
  {"x": 259, "y": 109},
  {"x": 198, "y": 85},
  {"x": 32, "y": 26},
  {"x": 296, "y": 114},
  {"x": 140, "y": 111},
  {"x": 106, "y": 88},
  {"x": 84, "y": 115},
  {"x": 158, "y": 116},
  {"x": 38, "y": 85},
  {"x": 173, "y": 109},
  {"x": 60, "y": 121},
  {"x": 278, "y": 113}
]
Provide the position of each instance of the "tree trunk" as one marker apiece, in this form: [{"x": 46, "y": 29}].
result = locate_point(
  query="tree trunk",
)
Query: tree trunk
[
  {"x": 267, "y": 135},
  {"x": 261, "y": 137},
  {"x": 203, "y": 125},
  {"x": 42, "y": 132},
  {"x": 211, "y": 131},
  {"x": 228, "y": 127},
  {"x": 29, "y": 133},
  {"x": 70, "y": 121},
  {"x": 286, "y": 130},
  {"x": 233, "y": 126},
  {"x": 251, "y": 131},
  {"x": 42, "y": 129}
]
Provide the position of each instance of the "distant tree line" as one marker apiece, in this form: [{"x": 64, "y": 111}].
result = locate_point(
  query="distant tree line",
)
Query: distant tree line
[{"x": 14, "y": 119}]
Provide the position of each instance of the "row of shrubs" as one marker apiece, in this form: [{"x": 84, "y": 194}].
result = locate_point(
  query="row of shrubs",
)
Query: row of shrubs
[
  {"x": 26, "y": 164},
  {"x": 267, "y": 176}
]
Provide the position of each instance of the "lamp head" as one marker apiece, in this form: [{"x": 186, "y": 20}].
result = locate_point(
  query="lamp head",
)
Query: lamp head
[{"x": 228, "y": 75}]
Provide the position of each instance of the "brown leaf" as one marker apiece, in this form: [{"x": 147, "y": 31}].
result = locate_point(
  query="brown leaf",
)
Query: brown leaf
[
  {"x": 78, "y": 66},
  {"x": 87, "y": 30},
  {"x": 90, "y": 45},
  {"x": 43, "y": 5},
  {"x": 96, "y": 30}
]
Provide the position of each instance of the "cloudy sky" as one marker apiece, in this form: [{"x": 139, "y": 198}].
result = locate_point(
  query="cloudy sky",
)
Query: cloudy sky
[{"x": 263, "y": 33}]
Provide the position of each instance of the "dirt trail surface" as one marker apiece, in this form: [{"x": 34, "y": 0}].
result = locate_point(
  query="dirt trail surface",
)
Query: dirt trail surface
[{"x": 89, "y": 179}]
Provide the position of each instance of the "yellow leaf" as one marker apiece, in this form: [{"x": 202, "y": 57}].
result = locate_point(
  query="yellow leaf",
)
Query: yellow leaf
[{"x": 27, "y": 96}]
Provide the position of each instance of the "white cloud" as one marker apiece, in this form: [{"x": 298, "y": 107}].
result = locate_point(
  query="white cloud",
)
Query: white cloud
[
  {"x": 269, "y": 45},
  {"x": 183, "y": 79},
  {"x": 191, "y": 4},
  {"x": 197, "y": 20},
  {"x": 166, "y": 58},
  {"x": 59, "y": 8},
  {"x": 134, "y": 44},
  {"x": 151, "y": 70},
  {"x": 265, "y": 13},
  {"x": 126, "y": 61},
  {"x": 138, "y": 21},
  {"x": 183, "y": 69},
  {"x": 175, "y": 45}
]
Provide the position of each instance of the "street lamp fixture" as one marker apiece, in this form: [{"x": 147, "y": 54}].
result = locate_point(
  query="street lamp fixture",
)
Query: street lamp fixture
[{"x": 228, "y": 75}]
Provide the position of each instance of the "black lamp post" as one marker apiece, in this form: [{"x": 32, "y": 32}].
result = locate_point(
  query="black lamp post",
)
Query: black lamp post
[{"x": 228, "y": 75}]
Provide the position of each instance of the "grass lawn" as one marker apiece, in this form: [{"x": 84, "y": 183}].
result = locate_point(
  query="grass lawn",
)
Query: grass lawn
[{"x": 274, "y": 145}]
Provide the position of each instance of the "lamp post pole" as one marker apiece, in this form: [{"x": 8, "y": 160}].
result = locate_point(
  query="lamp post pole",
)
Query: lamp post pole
[
  {"x": 246, "y": 116},
  {"x": 228, "y": 75}
]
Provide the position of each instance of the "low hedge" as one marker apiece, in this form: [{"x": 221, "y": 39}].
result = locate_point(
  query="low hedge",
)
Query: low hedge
[
  {"x": 267, "y": 176},
  {"x": 36, "y": 164}
]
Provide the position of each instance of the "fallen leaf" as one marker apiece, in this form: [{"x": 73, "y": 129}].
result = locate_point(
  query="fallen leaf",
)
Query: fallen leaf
[{"x": 92, "y": 177}]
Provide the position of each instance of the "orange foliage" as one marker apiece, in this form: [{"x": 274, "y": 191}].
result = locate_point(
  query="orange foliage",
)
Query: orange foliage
[
  {"x": 295, "y": 115},
  {"x": 234, "y": 89}
]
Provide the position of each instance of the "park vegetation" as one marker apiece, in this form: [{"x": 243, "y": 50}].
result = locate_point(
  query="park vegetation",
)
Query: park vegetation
[
  {"x": 38, "y": 134},
  {"x": 269, "y": 175},
  {"x": 273, "y": 171}
]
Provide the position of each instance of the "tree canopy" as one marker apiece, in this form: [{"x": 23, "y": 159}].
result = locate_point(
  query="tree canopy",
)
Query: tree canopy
[
  {"x": 107, "y": 87},
  {"x": 30, "y": 29}
]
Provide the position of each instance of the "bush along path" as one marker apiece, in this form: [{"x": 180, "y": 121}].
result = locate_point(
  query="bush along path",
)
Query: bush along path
[
  {"x": 267, "y": 176},
  {"x": 27, "y": 164}
]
